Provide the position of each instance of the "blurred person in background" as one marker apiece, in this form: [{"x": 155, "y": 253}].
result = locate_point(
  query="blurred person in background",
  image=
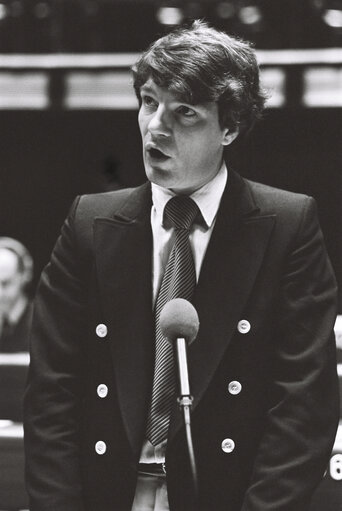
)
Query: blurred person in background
[
  {"x": 16, "y": 273},
  {"x": 103, "y": 431}
]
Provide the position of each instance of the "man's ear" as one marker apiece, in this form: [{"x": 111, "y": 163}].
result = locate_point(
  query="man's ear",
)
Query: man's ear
[{"x": 229, "y": 136}]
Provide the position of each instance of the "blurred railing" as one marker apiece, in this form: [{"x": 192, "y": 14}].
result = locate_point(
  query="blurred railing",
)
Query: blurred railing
[{"x": 294, "y": 78}]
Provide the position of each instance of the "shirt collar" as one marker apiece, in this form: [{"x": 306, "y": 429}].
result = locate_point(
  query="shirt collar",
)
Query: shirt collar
[{"x": 207, "y": 197}]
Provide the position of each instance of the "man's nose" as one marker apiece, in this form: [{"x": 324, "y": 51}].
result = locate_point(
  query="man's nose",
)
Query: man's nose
[{"x": 159, "y": 124}]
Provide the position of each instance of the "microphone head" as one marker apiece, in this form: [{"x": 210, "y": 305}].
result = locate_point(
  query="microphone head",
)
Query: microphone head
[{"x": 179, "y": 320}]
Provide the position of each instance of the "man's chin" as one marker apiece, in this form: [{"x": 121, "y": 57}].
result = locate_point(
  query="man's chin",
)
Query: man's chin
[{"x": 159, "y": 175}]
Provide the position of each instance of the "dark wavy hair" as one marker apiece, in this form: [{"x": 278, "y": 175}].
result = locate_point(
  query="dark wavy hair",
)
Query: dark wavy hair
[{"x": 200, "y": 64}]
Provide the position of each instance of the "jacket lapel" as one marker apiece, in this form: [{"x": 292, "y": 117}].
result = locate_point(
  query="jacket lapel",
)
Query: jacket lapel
[
  {"x": 123, "y": 246},
  {"x": 230, "y": 267}
]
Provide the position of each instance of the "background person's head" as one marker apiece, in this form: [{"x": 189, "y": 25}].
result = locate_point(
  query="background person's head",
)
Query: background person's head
[
  {"x": 16, "y": 272},
  {"x": 201, "y": 64}
]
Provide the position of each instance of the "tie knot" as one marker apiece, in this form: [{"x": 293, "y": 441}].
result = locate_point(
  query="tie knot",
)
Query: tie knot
[{"x": 181, "y": 210}]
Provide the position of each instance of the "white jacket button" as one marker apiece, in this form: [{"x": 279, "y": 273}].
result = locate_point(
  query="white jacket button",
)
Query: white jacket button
[
  {"x": 100, "y": 447},
  {"x": 102, "y": 390},
  {"x": 101, "y": 330},
  {"x": 234, "y": 387},
  {"x": 244, "y": 326},
  {"x": 228, "y": 445}
]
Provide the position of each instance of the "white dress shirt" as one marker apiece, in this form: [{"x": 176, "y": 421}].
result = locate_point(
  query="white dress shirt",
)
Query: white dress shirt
[{"x": 208, "y": 199}]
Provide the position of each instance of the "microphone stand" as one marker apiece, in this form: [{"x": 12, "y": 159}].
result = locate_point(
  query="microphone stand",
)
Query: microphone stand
[{"x": 185, "y": 403}]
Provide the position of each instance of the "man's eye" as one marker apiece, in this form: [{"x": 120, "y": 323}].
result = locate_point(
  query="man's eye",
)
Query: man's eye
[
  {"x": 186, "y": 111},
  {"x": 148, "y": 101}
]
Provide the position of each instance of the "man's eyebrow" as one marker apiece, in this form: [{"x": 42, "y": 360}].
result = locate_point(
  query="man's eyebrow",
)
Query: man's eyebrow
[{"x": 146, "y": 88}]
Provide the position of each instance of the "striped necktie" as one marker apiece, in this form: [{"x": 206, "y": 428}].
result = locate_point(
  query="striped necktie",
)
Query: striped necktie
[{"x": 178, "y": 282}]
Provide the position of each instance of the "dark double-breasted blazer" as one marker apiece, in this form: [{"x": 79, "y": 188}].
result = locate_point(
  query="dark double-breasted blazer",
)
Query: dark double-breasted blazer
[{"x": 262, "y": 369}]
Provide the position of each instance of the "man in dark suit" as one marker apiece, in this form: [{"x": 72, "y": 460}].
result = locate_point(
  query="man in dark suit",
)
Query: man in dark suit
[
  {"x": 16, "y": 273},
  {"x": 103, "y": 430}
]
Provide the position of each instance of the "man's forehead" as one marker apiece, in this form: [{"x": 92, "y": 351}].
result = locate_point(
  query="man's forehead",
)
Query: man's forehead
[{"x": 151, "y": 87}]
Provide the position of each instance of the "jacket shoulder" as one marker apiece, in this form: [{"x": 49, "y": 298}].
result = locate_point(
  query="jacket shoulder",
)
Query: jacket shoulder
[
  {"x": 101, "y": 204},
  {"x": 295, "y": 213},
  {"x": 289, "y": 206},
  {"x": 86, "y": 208},
  {"x": 269, "y": 196}
]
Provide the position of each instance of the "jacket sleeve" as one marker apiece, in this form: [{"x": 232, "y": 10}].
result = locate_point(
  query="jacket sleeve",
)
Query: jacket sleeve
[
  {"x": 53, "y": 397},
  {"x": 304, "y": 410}
]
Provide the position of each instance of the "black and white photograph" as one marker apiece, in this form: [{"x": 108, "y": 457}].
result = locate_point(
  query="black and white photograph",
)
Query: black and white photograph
[{"x": 170, "y": 255}]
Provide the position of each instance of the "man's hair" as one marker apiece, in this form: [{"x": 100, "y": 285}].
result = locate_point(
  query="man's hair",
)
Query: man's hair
[{"x": 200, "y": 64}]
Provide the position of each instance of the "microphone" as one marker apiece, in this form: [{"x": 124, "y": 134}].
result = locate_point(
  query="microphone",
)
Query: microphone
[
  {"x": 179, "y": 318},
  {"x": 179, "y": 324}
]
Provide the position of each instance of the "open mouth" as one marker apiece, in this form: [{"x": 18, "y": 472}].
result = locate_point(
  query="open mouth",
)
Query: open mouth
[{"x": 156, "y": 154}]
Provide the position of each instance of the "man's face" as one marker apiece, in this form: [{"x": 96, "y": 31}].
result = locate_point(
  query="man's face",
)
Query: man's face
[
  {"x": 11, "y": 280},
  {"x": 182, "y": 143}
]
